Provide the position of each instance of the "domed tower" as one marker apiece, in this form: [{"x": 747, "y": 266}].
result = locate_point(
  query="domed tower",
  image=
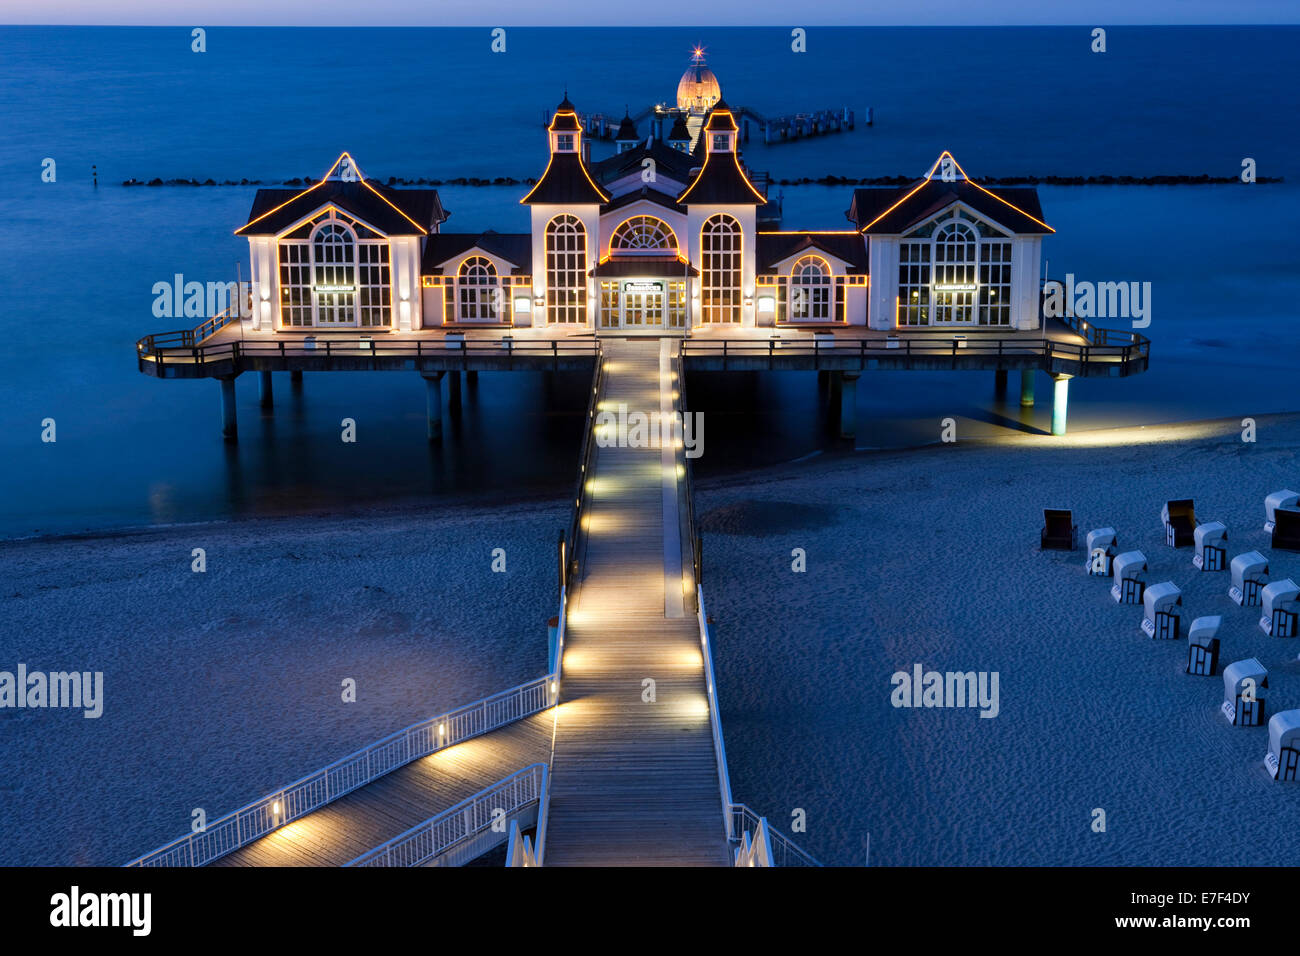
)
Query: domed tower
[{"x": 698, "y": 91}]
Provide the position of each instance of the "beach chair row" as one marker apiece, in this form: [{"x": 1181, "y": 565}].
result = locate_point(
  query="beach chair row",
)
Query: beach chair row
[{"x": 1245, "y": 681}]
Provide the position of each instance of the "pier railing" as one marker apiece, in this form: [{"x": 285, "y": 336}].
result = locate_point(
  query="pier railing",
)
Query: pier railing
[
  {"x": 1117, "y": 351},
  {"x": 182, "y": 348},
  {"x": 715, "y": 719},
  {"x": 455, "y": 827},
  {"x": 581, "y": 495},
  {"x": 697, "y": 539},
  {"x": 251, "y": 822},
  {"x": 785, "y": 852}
]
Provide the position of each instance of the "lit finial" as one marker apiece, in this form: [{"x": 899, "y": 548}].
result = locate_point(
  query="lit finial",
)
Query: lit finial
[{"x": 697, "y": 55}]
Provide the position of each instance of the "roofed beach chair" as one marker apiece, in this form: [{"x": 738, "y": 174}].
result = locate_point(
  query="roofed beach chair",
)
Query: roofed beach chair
[
  {"x": 1283, "y": 758},
  {"x": 1179, "y": 517},
  {"x": 1281, "y": 602},
  {"x": 1286, "y": 530},
  {"x": 1059, "y": 533},
  {"x": 1287, "y": 500},
  {"x": 1129, "y": 570},
  {"x": 1243, "y": 692},
  {"x": 1249, "y": 572},
  {"x": 1162, "y": 603},
  {"x": 1203, "y": 646},
  {"x": 1102, "y": 548},
  {"x": 1211, "y": 546}
]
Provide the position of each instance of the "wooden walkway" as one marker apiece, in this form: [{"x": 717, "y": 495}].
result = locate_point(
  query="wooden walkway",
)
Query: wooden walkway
[
  {"x": 341, "y": 831},
  {"x": 633, "y": 782}
]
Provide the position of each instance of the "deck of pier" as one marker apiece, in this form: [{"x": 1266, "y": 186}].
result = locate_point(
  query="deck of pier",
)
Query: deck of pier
[
  {"x": 341, "y": 831},
  {"x": 635, "y": 782},
  {"x": 232, "y": 350}
]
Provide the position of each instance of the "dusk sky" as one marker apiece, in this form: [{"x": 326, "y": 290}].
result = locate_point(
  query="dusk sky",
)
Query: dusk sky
[{"x": 659, "y": 13}]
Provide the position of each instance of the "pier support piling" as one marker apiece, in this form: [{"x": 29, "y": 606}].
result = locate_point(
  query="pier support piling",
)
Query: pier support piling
[
  {"x": 848, "y": 404},
  {"x": 1027, "y": 388},
  {"x": 295, "y": 379},
  {"x": 453, "y": 392},
  {"x": 1000, "y": 383},
  {"x": 229, "y": 423},
  {"x": 1060, "y": 400},
  {"x": 265, "y": 393},
  {"x": 433, "y": 404},
  {"x": 471, "y": 378}
]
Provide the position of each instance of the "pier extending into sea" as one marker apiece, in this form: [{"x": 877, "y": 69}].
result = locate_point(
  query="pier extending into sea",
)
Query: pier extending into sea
[{"x": 615, "y": 756}]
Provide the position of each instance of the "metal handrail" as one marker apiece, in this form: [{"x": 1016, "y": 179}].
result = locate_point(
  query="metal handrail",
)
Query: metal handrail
[
  {"x": 569, "y": 565},
  {"x": 785, "y": 851},
  {"x": 310, "y": 793},
  {"x": 697, "y": 550},
  {"x": 1101, "y": 344},
  {"x": 179, "y": 348},
  {"x": 443, "y": 831},
  {"x": 715, "y": 718}
]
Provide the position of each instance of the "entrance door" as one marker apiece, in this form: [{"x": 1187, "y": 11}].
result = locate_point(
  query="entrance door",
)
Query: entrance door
[{"x": 643, "y": 305}]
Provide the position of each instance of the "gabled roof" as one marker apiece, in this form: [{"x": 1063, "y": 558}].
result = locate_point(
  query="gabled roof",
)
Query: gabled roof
[
  {"x": 515, "y": 248},
  {"x": 394, "y": 212},
  {"x": 721, "y": 180},
  {"x": 644, "y": 193},
  {"x": 888, "y": 210},
  {"x": 774, "y": 247},
  {"x": 671, "y": 163}
]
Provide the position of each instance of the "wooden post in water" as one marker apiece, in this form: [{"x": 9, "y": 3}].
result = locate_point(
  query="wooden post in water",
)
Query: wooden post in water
[
  {"x": 433, "y": 403},
  {"x": 265, "y": 394},
  {"x": 229, "y": 423},
  {"x": 453, "y": 392},
  {"x": 848, "y": 404},
  {"x": 1000, "y": 383}
]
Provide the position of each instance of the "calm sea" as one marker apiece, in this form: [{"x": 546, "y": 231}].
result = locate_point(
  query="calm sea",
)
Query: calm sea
[{"x": 80, "y": 262}]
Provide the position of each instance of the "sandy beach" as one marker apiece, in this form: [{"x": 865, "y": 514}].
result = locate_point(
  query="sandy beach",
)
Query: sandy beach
[{"x": 223, "y": 685}]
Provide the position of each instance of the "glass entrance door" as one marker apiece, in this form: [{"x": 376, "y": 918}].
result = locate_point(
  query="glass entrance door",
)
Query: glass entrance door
[{"x": 643, "y": 305}]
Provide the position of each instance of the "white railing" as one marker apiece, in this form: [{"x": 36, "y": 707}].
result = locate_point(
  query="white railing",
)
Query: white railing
[
  {"x": 755, "y": 849},
  {"x": 751, "y": 830},
  {"x": 719, "y": 750},
  {"x": 251, "y": 822},
  {"x": 475, "y": 815},
  {"x": 520, "y": 850}
]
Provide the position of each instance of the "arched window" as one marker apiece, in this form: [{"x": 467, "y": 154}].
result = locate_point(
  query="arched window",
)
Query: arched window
[
  {"x": 566, "y": 269},
  {"x": 643, "y": 234},
  {"x": 479, "y": 290},
  {"x": 334, "y": 254},
  {"x": 810, "y": 290},
  {"x": 720, "y": 243},
  {"x": 955, "y": 270}
]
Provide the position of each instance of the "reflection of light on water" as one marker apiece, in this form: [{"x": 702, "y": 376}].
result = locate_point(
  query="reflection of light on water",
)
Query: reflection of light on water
[
  {"x": 161, "y": 504},
  {"x": 1117, "y": 437}
]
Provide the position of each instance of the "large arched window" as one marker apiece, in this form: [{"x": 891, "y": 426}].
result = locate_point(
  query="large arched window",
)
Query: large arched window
[
  {"x": 566, "y": 270},
  {"x": 479, "y": 290},
  {"x": 720, "y": 244},
  {"x": 955, "y": 270},
  {"x": 643, "y": 234},
  {"x": 810, "y": 290},
  {"x": 335, "y": 274}
]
